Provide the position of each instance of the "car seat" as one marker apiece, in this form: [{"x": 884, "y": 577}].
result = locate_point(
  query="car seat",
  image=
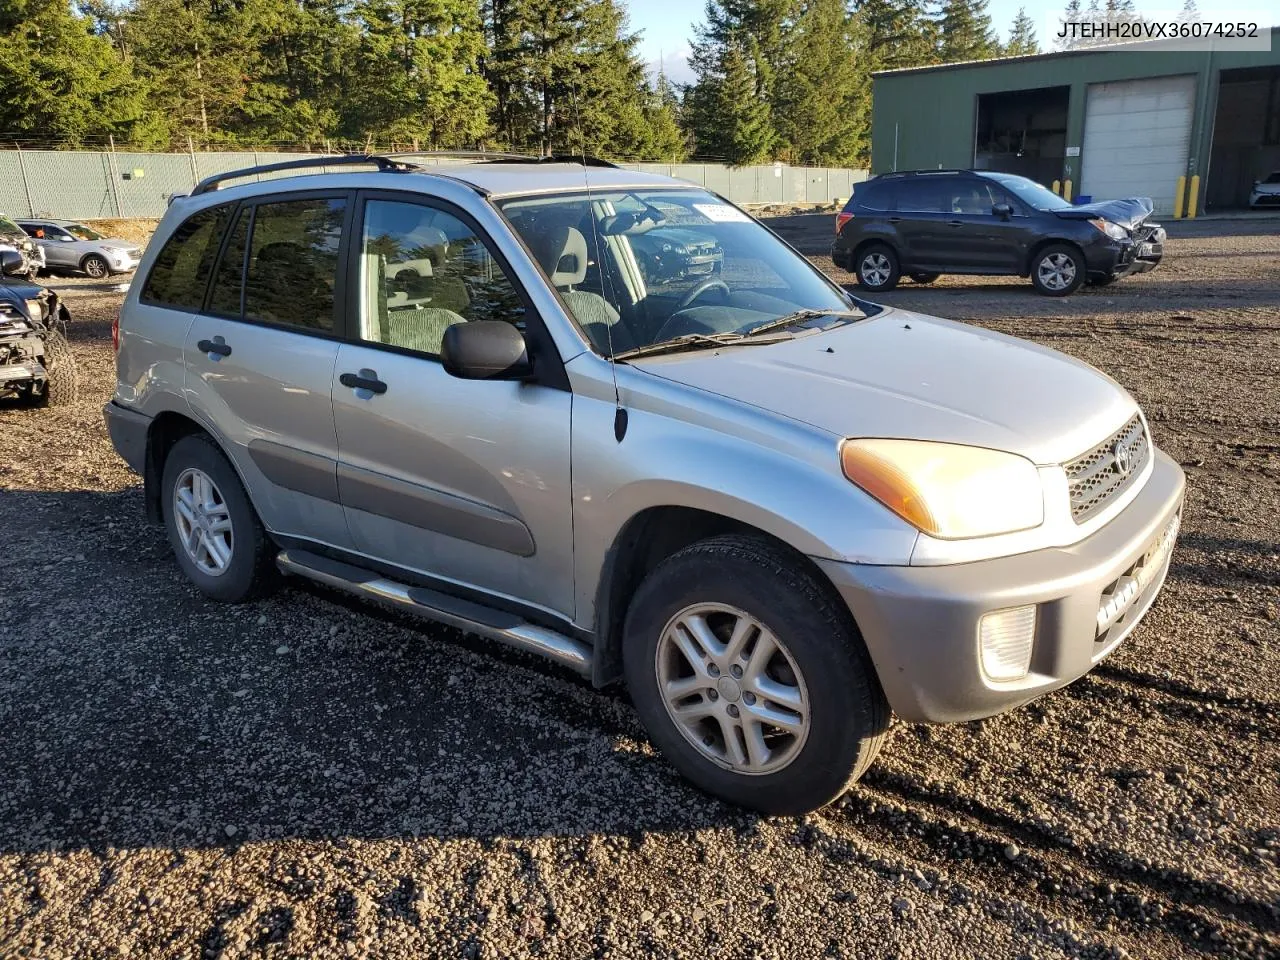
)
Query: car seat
[{"x": 561, "y": 251}]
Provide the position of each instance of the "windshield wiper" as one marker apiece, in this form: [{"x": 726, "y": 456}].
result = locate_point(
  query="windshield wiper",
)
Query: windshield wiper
[
  {"x": 799, "y": 317},
  {"x": 694, "y": 341}
]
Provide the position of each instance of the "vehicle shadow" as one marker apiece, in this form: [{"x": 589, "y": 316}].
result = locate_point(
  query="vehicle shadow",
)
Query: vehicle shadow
[{"x": 139, "y": 714}]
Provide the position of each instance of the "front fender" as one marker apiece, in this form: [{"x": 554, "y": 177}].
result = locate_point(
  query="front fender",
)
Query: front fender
[{"x": 687, "y": 448}]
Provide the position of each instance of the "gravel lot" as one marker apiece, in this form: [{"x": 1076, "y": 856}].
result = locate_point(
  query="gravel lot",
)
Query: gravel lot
[{"x": 311, "y": 777}]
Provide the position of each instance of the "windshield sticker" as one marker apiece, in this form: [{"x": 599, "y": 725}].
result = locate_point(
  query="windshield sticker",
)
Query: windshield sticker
[{"x": 721, "y": 213}]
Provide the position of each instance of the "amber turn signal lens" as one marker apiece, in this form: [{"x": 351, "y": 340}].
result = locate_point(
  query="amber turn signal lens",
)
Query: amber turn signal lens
[{"x": 881, "y": 478}]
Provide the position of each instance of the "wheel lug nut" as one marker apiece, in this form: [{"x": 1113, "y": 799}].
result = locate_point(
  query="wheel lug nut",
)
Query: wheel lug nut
[
  {"x": 733, "y": 710},
  {"x": 748, "y": 698},
  {"x": 736, "y": 671},
  {"x": 713, "y": 670},
  {"x": 713, "y": 695}
]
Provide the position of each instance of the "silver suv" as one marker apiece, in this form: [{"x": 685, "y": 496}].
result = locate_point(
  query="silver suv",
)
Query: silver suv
[{"x": 778, "y": 512}]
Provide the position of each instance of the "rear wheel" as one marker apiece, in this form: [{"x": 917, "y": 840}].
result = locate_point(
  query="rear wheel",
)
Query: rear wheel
[
  {"x": 1057, "y": 270},
  {"x": 925, "y": 277},
  {"x": 215, "y": 534},
  {"x": 769, "y": 703},
  {"x": 877, "y": 267}
]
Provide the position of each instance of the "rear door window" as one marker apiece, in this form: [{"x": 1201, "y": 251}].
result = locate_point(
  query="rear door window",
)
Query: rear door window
[
  {"x": 925, "y": 195},
  {"x": 290, "y": 275},
  {"x": 181, "y": 271}
]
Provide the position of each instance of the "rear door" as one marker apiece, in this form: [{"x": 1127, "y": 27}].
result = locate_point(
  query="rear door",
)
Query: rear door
[
  {"x": 927, "y": 242},
  {"x": 463, "y": 480},
  {"x": 261, "y": 355}
]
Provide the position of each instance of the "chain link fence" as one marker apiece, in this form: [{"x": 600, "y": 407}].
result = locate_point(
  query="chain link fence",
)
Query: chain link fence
[{"x": 85, "y": 185}]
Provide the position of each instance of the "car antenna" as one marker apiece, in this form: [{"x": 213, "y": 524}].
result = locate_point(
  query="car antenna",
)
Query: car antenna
[{"x": 620, "y": 418}]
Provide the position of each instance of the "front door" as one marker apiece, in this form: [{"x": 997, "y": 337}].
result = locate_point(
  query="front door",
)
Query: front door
[
  {"x": 981, "y": 241},
  {"x": 466, "y": 481},
  {"x": 260, "y": 361}
]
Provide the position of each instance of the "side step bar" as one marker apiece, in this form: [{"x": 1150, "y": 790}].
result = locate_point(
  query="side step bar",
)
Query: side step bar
[{"x": 466, "y": 615}]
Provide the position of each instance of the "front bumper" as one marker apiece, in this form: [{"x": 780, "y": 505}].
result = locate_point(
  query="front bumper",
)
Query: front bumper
[
  {"x": 21, "y": 375},
  {"x": 920, "y": 624},
  {"x": 1125, "y": 258}
]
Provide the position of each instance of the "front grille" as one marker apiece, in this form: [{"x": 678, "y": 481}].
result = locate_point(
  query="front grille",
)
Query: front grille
[{"x": 1095, "y": 478}]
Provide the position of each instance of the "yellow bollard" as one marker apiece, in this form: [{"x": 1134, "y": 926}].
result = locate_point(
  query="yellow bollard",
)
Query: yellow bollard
[
  {"x": 1178, "y": 196},
  {"x": 1066, "y": 190},
  {"x": 1057, "y": 188},
  {"x": 1193, "y": 196}
]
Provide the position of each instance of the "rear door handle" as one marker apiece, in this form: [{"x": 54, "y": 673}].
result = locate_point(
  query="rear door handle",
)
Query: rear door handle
[
  {"x": 216, "y": 348},
  {"x": 895, "y": 219},
  {"x": 366, "y": 380},
  {"x": 956, "y": 223}
]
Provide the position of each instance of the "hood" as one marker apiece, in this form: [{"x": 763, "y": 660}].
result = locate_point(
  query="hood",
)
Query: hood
[
  {"x": 901, "y": 374},
  {"x": 21, "y": 289},
  {"x": 1128, "y": 213},
  {"x": 111, "y": 244},
  {"x": 689, "y": 238}
]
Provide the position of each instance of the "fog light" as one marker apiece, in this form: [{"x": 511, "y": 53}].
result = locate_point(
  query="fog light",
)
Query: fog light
[{"x": 1006, "y": 638}]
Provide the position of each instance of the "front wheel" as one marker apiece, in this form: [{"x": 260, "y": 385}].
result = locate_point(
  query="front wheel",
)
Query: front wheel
[
  {"x": 750, "y": 678},
  {"x": 96, "y": 266},
  {"x": 1057, "y": 270},
  {"x": 877, "y": 268}
]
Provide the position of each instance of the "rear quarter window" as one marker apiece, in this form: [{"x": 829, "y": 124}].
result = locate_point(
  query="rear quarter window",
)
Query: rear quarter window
[
  {"x": 181, "y": 270},
  {"x": 873, "y": 195}
]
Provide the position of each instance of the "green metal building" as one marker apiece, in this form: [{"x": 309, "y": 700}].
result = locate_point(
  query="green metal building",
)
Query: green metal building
[{"x": 1117, "y": 121}]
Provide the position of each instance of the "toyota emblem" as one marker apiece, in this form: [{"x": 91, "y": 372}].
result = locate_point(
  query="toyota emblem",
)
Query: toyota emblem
[{"x": 1122, "y": 459}]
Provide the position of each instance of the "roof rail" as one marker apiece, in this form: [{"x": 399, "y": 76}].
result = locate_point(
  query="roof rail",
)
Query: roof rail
[{"x": 384, "y": 164}]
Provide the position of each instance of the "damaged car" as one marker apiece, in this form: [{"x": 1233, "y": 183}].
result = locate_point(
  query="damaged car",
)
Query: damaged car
[
  {"x": 925, "y": 223},
  {"x": 14, "y": 238},
  {"x": 36, "y": 364}
]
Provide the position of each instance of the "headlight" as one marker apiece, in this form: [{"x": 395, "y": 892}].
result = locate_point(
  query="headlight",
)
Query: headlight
[
  {"x": 1112, "y": 230},
  {"x": 948, "y": 490},
  {"x": 36, "y": 309}
]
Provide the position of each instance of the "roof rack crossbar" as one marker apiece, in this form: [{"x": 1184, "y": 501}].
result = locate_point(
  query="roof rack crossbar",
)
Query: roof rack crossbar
[{"x": 384, "y": 164}]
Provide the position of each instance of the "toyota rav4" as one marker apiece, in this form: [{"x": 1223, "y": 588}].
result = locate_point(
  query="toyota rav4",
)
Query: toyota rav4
[{"x": 776, "y": 511}]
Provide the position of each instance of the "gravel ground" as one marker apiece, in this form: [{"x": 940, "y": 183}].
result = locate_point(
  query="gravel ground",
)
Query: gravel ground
[{"x": 311, "y": 777}]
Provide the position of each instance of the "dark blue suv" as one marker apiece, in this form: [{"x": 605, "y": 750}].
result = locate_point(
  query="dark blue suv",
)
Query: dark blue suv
[{"x": 925, "y": 223}]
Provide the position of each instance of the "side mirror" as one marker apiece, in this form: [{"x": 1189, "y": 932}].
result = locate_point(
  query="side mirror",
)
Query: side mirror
[
  {"x": 485, "y": 350},
  {"x": 67, "y": 238},
  {"x": 1002, "y": 210},
  {"x": 11, "y": 263}
]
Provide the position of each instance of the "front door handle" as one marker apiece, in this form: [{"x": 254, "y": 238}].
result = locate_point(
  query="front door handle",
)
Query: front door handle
[
  {"x": 216, "y": 348},
  {"x": 956, "y": 223},
  {"x": 895, "y": 219},
  {"x": 366, "y": 380}
]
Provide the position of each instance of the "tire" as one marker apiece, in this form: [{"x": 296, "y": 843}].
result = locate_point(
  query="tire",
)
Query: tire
[
  {"x": 877, "y": 267},
  {"x": 925, "y": 277},
  {"x": 1104, "y": 281},
  {"x": 96, "y": 266},
  {"x": 62, "y": 389},
  {"x": 246, "y": 569},
  {"x": 1057, "y": 270},
  {"x": 842, "y": 712}
]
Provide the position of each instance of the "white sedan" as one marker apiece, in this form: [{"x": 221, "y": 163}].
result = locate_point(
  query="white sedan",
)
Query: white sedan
[
  {"x": 1266, "y": 193},
  {"x": 69, "y": 245}
]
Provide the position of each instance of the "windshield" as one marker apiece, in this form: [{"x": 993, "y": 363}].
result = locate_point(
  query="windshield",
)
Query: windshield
[
  {"x": 81, "y": 232},
  {"x": 1274, "y": 178},
  {"x": 1030, "y": 192},
  {"x": 643, "y": 267}
]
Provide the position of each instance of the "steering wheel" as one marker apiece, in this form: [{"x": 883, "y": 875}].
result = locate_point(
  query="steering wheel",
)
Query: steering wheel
[{"x": 698, "y": 290}]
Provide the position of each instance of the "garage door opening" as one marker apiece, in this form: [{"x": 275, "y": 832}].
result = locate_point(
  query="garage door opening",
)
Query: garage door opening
[
  {"x": 1137, "y": 138},
  {"x": 1023, "y": 132},
  {"x": 1246, "y": 136}
]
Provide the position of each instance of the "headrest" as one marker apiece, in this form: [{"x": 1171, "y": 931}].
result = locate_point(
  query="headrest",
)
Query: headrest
[{"x": 561, "y": 251}]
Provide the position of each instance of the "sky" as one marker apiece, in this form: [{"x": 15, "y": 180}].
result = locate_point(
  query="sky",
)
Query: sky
[{"x": 666, "y": 26}]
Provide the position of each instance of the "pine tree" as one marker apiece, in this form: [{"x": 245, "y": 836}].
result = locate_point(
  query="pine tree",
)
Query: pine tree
[
  {"x": 418, "y": 63},
  {"x": 1190, "y": 12},
  {"x": 823, "y": 96},
  {"x": 899, "y": 33},
  {"x": 63, "y": 82},
  {"x": 194, "y": 56},
  {"x": 1022, "y": 36},
  {"x": 662, "y": 113},
  {"x": 965, "y": 32}
]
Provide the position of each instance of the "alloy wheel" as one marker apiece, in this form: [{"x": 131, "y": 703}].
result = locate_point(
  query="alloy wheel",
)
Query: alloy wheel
[
  {"x": 203, "y": 521},
  {"x": 1057, "y": 271},
  {"x": 732, "y": 688},
  {"x": 875, "y": 269}
]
